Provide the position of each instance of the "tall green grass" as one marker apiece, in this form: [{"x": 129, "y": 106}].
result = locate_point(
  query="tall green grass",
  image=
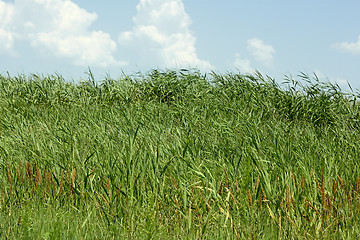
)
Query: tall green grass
[{"x": 178, "y": 154}]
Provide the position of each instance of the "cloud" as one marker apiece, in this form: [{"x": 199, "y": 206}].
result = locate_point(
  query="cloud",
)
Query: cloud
[
  {"x": 243, "y": 65},
  {"x": 6, "y": 42},
  {"x": 96, "y": 48},
  {"x": 342, "y": 82},
  {"x": 161, "y": 35},
  {"x": 59, "y": 28},
  {"x": 351, "y": 47},
  {"x": 261, "y": 52},
  {"x": 6, "y": 37}
]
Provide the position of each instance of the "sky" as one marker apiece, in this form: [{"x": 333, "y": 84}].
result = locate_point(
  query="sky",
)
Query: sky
[{"x": 278, "y": 38}]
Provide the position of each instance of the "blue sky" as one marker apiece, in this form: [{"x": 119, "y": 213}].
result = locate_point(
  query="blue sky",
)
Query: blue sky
[{"x": 278, "y": 38}]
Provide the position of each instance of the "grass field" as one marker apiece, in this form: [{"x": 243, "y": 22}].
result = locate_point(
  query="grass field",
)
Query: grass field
[{"x": 178, "y": 155}]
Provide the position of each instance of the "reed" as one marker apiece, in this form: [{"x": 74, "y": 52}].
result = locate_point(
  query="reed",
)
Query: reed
[{"x": 178, "y": 154}]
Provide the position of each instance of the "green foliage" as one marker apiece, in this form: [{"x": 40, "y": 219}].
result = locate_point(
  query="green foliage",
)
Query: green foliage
[{"x": 178, "y": 154}]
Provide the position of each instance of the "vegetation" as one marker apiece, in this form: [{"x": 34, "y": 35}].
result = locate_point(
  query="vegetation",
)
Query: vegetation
[{"x": 177, "y": 154}]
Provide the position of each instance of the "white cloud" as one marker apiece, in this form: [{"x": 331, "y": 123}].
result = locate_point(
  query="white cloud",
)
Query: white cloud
[
  {"x": 243, "y": 65},
  {"x": 6, "y": 37},
  {"x": 161, "y": 34},
  {"x": 95, "y": 48},
  {"x": 261, "y": 52},
  {"x": 60, "y": 28},
  {"x": 340, "y": 81},
  {"x": 6, "y": 41},
  {"x": 351, "y": 47}
]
